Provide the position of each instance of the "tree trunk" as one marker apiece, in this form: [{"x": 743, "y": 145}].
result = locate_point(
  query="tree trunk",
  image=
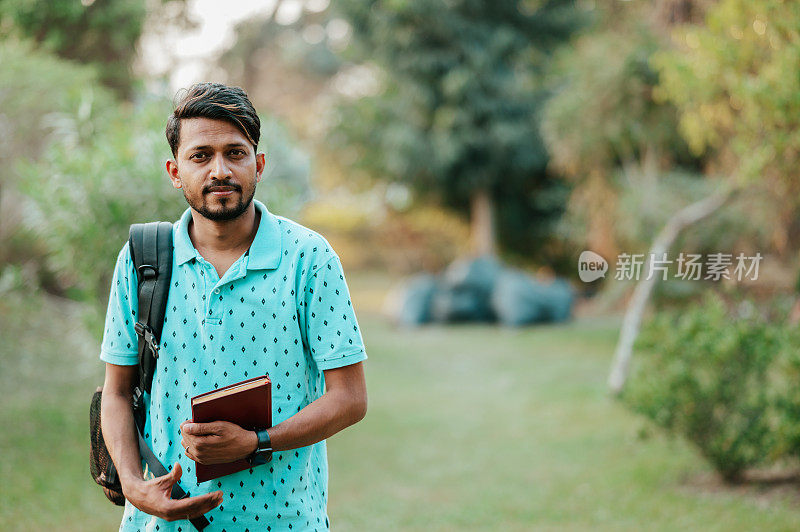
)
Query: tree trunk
[
  {"x": 599, "y": 202},
  {"x": 641, "y": 294},
  {"x": 482, "y": 223}
]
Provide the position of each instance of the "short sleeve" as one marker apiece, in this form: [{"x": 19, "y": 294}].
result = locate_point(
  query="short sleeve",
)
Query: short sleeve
[
  {"x": 334, "y": 337},
  {"x": 120, "y": 343}
]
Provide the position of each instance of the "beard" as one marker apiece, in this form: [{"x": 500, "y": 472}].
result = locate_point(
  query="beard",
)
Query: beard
[{"x": 228, "y": 209}]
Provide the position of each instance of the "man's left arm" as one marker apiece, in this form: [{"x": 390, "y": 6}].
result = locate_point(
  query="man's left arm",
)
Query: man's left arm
[{"x": 343, "y": 404}]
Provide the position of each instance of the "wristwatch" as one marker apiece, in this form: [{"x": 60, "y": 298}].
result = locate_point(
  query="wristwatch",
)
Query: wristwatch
[{"x": 263, "y": 452}]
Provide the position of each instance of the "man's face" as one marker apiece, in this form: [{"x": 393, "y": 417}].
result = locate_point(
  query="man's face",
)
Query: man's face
[{"x": 217, "y": 168}]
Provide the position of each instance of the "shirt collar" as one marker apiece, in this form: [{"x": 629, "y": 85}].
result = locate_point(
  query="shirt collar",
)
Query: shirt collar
[{"x": 265, "y": 250}]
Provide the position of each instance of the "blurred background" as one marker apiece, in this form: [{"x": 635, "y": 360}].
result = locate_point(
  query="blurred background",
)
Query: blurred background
[{"x": 460, "y": 156}]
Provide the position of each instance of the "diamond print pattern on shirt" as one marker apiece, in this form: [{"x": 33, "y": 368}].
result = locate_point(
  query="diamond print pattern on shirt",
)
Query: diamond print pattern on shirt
[{"x": 291, "y": 321}]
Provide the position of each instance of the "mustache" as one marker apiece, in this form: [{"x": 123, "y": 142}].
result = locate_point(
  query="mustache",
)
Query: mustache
[{"x": 222, "y": 186}]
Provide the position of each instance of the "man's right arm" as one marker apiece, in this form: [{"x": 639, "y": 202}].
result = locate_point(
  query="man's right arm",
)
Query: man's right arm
[
  {"x": 118, "y": 350},
  {"x": 119, "y": 432},
  {"x": 116, "y": 419}
]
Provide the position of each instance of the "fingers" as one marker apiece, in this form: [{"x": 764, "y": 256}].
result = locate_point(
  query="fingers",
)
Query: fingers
[
  {"x": 155, "y": 498},
  {"x": 190, "y": 454},
  {"x": 192, "y": 506},
  {"x": 199, "y": 429}
]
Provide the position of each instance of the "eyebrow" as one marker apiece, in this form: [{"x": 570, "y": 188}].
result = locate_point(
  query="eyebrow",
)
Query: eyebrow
[{"x": 231, "y": 145}]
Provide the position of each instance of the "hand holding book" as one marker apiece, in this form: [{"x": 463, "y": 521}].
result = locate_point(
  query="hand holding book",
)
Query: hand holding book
[
  {"x": 218, "y": 442},
  {"x": 221, "y": 434}
]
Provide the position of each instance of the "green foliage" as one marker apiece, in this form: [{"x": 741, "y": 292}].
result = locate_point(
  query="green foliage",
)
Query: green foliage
[
  {"x": 713, "y": 376},
  {"x": 618, "y": 147},
  {"x": 258, "y": 38},
  {"x": 734, "y": 83},
  {"x": 38, "y": 88},
  {"x": 786, "y": 394},
  {"x": 41, "y": 95},
  {"x": 86, "y": 193},
  {"x": 603, "y": 113},
  {"x": 644, "y": 204},
  {"x": 459, "y": 108},
  {"x": 101, "y": 33},
  {"x": 286, "y": 182}
]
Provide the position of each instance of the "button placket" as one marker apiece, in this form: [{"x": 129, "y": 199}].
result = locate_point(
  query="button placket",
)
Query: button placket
[{"x": 214, "y": 307}]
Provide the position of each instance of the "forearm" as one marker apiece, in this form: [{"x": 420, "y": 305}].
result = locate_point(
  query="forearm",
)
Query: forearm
[
  {"x": 152, "y": 496},
  {"x": 119, "y": 433},
  {"x": 321, "y": 419}
]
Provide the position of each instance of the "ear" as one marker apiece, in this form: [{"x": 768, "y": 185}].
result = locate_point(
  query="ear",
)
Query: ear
[
  {"x": 172, "y": 171},
  {"x": 261, "y": 163}
]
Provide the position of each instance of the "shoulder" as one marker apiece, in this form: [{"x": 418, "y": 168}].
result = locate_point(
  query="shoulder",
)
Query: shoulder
[
  {"x": 124, "y": 259},
  {"x": 125, "y": 278},
  {"x": 303, "y": 244}
]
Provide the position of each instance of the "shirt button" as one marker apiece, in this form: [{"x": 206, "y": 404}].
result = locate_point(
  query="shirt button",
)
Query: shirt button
[{"x": 216, "y": 291}]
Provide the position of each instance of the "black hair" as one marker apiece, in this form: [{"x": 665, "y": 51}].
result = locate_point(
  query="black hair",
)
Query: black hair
[{"x": 217, "y": 102}]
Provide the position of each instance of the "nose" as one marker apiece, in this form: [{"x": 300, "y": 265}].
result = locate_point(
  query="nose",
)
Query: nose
[{"x": 219, "y": 170}]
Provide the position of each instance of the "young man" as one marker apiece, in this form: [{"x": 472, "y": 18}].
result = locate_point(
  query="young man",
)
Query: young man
[{"x": 251, "y": 294}]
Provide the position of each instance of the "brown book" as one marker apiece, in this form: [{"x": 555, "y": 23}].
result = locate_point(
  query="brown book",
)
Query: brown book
[{"x": 247, "y": 403}]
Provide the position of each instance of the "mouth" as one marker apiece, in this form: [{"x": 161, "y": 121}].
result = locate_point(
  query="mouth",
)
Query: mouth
[{"x": 221, "y": 191}]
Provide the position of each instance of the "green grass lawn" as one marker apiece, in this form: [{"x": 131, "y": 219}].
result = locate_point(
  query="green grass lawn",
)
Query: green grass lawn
[{"x": 469, "y": 428}]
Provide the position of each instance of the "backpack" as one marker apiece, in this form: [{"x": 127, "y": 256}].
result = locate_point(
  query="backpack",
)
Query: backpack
[{"x": 151, "y": 252}]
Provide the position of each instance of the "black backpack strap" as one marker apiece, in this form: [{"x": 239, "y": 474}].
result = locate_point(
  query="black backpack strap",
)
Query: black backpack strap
[
  {"x": 151, "y": 252},
  {"x": 159, "y": 470}
]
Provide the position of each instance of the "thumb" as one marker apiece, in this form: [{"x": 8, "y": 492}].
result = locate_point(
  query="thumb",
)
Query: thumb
[
  {"x": 201, "y": 429},
  {"x": 191, "y": 428},
  {"x": 171, "y": 478}
]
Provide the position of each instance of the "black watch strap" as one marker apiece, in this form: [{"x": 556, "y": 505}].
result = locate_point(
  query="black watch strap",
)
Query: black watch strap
[{"x": 263, "y": 452}]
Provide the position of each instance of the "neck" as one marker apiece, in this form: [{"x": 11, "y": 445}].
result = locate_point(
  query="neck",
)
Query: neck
[{"x": 227, "y": 236}]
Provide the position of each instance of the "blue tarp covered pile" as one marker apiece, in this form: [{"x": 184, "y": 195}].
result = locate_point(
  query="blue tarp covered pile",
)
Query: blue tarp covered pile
[{"x": 482, "y": 290}]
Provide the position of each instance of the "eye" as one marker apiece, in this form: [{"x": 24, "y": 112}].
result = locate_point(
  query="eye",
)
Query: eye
[
  {"x": 236, "y": 152},
  {"x": 197, "y": 156}
]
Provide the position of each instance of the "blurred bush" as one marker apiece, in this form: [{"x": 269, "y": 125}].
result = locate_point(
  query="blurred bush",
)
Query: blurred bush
[
  {"x": 724, "y": 376},
  {"x": 368, "y": 235},
  {"x": 618, "y": 148},
  {"x": 86, "y": 165},
  {"x": 40, "y": 94},
  {"x": 37, "y": 88},
  {"x": 86, "y": 193}
]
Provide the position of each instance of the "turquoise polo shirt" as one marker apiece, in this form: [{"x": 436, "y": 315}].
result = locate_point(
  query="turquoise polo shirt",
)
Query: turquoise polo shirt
[{"x": 282, "y": 309}]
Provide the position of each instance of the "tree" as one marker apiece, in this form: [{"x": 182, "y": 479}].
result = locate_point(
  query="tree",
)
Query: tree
[
  {"x": 734, "y": 82},
  {"x": 99, "y": 33},
  {"x": 457, "y": 118},
  {"x": 603, "y": 122},
  {"x": 736, "y": 93},
  {"x": 632, "y": 319}
]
